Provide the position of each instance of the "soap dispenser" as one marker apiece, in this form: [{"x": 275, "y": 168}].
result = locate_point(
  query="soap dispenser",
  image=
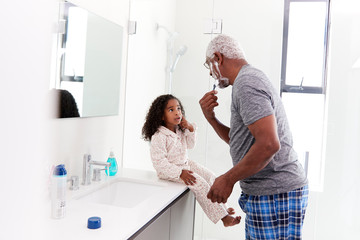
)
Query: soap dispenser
[{"x": 112, "y": 170}]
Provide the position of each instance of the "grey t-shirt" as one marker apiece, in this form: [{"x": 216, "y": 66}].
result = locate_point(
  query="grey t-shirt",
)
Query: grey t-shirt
[{"x": 253, "y": 98}]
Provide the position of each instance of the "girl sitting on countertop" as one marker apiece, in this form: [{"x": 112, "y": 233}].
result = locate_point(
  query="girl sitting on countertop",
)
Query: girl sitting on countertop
[{"x": 170, "y": 135}]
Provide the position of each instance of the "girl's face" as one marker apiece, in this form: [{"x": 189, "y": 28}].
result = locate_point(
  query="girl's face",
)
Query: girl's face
[{"x": 172, "y": 114}]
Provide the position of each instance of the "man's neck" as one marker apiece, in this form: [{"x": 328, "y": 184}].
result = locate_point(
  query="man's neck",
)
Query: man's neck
[{"x": 239, "y": 63}]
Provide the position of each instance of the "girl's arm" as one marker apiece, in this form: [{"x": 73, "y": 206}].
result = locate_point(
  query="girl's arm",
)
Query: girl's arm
[{"x": 190, "y": 133}]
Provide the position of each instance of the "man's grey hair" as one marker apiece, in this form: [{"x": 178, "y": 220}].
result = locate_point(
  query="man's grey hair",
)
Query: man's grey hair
[{"x": 227, "y": 46}]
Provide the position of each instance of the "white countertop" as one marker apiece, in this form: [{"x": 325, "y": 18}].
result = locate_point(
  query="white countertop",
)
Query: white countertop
[{"x": 117, "y": 222}]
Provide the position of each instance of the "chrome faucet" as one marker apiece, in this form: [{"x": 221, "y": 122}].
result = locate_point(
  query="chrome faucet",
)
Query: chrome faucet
[{"x": 87, "y": 162}]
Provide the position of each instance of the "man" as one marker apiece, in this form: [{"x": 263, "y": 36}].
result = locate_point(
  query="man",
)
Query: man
[{"x": 273, "y": 183}]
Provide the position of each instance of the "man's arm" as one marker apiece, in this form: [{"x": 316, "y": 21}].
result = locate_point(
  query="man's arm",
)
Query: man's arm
[
  {"x": 208, "y": 102},
  {"x": 260, "y": 154}
]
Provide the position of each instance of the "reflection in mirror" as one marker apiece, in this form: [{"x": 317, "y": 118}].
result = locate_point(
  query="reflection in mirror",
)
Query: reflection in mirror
[
  {"x": 67, "y": 107},
  {"x": 89, "y": 61}
]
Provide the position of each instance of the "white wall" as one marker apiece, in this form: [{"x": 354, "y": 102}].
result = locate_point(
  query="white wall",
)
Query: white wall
[
  {"x": 25, "y": 50},
  {"x": 146, "y": 73}
]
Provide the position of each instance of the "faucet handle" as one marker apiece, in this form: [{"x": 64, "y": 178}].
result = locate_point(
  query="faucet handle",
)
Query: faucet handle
[{"x": 74, "y": 182}]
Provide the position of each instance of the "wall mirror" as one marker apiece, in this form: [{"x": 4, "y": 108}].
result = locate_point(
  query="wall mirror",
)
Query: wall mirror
[{"x": 88, "y": 63}]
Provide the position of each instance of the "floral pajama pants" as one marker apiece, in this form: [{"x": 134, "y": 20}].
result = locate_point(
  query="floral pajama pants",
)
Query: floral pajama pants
[{"x": 204, "y": 180}]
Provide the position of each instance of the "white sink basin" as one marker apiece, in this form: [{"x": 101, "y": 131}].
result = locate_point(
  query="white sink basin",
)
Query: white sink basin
[{"x": 123, "y": 193}]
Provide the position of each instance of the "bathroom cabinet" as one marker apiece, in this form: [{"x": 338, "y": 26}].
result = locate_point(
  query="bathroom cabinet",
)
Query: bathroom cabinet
[{"x": 176, "y": 222}]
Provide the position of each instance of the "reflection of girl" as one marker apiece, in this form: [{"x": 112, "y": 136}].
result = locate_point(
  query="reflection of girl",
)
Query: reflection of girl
[
  {"x": 171, "y": 135},
  {"x": 67, "y": 106}
]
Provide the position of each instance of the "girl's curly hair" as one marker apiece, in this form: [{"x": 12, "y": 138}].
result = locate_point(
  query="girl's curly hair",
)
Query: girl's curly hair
[{"x": 154, "y": 117}]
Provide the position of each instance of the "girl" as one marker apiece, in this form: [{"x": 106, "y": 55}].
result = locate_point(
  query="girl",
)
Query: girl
[{"x": 171, "y": 135}]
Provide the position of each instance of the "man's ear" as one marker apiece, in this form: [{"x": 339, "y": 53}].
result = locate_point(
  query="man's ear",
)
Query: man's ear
[{"x": 218, "y": 57}]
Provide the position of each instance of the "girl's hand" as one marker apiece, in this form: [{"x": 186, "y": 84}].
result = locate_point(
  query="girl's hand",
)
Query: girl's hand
[
  {"x": 188, "y": 177},
  {"x": 184, "y": 124}
]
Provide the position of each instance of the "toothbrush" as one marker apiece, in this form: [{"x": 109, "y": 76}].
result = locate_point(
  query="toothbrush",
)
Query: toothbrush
[{"x": 214, "y": 86}]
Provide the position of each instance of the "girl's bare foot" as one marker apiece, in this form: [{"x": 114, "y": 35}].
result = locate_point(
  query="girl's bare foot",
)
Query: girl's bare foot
[{"x": 229, "y": 221}]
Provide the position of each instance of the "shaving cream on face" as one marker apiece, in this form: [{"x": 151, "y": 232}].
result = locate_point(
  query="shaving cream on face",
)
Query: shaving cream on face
[{"x": 223, "y": 82}]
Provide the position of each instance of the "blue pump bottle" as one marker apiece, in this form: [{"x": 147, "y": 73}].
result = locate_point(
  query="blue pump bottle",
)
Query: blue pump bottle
[{"x": 112, "y": 170}]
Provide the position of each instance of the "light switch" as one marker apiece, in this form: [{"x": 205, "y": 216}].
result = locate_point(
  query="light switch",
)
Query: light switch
[
  {"x": 217, "y": 26},
  {"x": 212, "y": 26}
]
